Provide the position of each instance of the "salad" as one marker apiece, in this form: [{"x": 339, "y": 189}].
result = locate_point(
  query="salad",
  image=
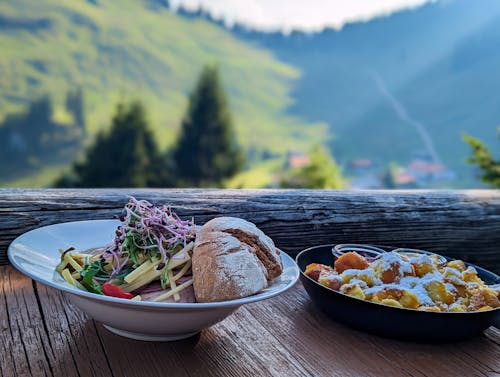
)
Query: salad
[{"x": 149, "y": 258}]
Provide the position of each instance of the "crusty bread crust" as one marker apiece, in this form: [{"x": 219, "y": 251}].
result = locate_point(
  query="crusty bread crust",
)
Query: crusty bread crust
[
  {"x": 249, "y": 234},
  {"x": 232, "y": 258}
]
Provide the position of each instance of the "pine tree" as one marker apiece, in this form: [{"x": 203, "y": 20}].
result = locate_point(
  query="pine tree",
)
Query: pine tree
[
  {"x": 38, "y": 126},
  {"x": 127, "y": 156},
  {"x": 75, "y": 105},
  {"x": 322, "y": 172},
  {"x": 484, "y": 160},
  {"x": 206, "y": 152},
  {"x": 389, "y": 176}
]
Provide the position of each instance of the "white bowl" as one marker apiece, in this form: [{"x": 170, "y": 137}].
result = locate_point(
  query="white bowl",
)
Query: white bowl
[{"x": 36, "y": 255}]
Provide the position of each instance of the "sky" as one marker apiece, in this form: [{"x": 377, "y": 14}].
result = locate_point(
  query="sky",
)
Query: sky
[{"x": 298, "y": 14}]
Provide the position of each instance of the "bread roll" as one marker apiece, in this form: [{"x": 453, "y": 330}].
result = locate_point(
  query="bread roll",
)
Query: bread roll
[{"x": 232, "y": 258}]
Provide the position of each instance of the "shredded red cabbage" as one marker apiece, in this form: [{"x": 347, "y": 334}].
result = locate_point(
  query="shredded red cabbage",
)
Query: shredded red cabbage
[{"x": 152, "y": 229}]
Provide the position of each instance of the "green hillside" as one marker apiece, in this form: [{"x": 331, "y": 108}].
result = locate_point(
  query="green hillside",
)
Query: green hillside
[{"x": 128, "y": 50}]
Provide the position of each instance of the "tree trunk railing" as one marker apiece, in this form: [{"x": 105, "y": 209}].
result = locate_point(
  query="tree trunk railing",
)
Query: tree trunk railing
[{"x": 461, "y": 224}]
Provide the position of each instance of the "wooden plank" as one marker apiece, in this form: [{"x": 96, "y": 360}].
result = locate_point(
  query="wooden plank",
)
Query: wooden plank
[
  {"x": 474, "y": 357},
  {"x": 24, "y": 344},
  {"x": 42, "y": 334},
  {"x": 76, "y": 345},
  {"x": 238, "y": 346},
  {"x": 130, "y": 357},
  {"x": 462, "y": 224},
  {"x": 335, "y": 347},
  {"x": 493, "y": 334},
  {"x": 327, "y": 349}
]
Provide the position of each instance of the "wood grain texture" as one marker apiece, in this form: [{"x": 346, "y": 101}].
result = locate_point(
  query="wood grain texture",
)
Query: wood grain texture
[
  {"x": 42, "y": 334},
  {"x": 461, "y": 224},
  {"x": 73, "y": 337},
  {"x": 353, "y": 353},
  {"x": 24, "y": 346},
  {"x": 238, "y": 346}
]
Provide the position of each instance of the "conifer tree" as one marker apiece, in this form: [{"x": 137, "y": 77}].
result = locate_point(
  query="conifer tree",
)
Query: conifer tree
[
  {"x": 322, "y": 172},
  {"x": 38, "y": 125},
  {"x": 482, "y": 157},
  {"x": 127, "y": 156},
  {"x": 75, "y": 105},
  {"x": 206, "y": 152}
]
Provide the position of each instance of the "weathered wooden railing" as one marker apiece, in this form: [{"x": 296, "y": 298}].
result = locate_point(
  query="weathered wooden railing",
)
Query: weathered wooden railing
[{"x": 461, "y": 224}]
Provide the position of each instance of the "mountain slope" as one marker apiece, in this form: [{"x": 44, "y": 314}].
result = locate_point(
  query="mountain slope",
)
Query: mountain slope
[
  {"x": 388, "y": 86},
  {"x": 456, "y": 95},
  {"x": 129, "y": 50}
]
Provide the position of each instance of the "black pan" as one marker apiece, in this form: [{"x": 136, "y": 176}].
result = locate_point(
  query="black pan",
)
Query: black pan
[{"x": 399, "y": 323}]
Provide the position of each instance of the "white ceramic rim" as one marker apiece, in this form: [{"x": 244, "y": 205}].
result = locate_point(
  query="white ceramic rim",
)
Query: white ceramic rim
[{"x": 269, "y": 293}]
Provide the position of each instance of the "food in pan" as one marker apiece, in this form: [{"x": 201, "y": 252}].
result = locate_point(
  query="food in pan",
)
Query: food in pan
[
  {"x": 413, "y": 281},
  {"x": 156, "y": 256}
]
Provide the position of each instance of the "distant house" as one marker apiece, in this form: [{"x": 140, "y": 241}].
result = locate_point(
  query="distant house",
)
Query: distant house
[
  {"x": 361, "y": 164},
  {"x": 429, "y": 172},
  {"x": 362, "y": 174},
  {"x": 426, "y": 168},
  {"x": 405, "y": 180},
  {"x": 297, "y": 160}
]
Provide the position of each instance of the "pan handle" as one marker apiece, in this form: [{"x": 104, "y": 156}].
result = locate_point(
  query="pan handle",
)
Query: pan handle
[{"x": 366, "y": 250}]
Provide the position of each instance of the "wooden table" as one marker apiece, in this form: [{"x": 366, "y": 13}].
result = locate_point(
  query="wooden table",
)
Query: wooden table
[{"x": 41, "y": 334}]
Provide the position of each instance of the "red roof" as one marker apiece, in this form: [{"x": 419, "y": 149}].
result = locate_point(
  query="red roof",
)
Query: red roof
[
  {"x": 426, "y": 167},
  {"x": 361, "y": 163},
  {"x": 299, "y": 161},
  {"x": 404, "y": 179}
]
